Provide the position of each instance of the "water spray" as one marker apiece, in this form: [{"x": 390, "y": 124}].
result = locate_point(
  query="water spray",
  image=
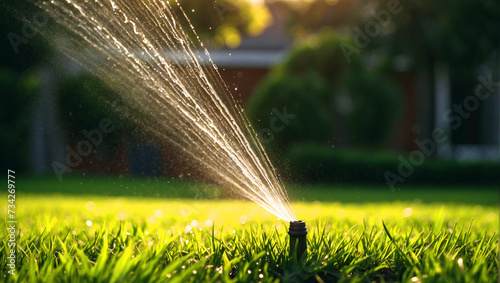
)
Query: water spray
[
  {"x": 163, "y": 72},
  {"x": 298, "y": 238}
]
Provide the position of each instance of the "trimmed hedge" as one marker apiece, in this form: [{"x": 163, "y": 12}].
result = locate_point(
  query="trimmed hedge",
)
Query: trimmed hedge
[{"x": 314, "y": 164}]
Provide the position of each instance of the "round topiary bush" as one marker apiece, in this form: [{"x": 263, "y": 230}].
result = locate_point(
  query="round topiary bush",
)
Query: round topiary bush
[
  {"x": 290, "y": 108},
  {"x": 376, "y": 104},
  {"x": 331, "y": 99}
]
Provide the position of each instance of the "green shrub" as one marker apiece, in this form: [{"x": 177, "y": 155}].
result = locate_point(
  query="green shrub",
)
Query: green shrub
[
  {"x": 326, "y": 93},
  {"x": 300, "y": 98},
  {"x": 376, "y": 107},
  {"x": 320, "y": 55}
]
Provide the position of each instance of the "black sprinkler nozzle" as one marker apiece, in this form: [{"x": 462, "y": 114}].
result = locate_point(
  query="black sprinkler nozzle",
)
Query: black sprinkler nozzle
[{"x": 298, "y": 238}]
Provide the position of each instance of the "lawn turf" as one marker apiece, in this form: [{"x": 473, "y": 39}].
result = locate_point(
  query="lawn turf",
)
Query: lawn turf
[{"x": 112, "y": 229}]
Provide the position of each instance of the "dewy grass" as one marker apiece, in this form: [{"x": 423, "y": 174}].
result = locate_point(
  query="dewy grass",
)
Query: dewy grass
[{"x": 110, "y": 239}]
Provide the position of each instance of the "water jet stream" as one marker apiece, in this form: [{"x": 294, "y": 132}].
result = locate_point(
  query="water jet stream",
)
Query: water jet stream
[{"x": 142, "y": 51}]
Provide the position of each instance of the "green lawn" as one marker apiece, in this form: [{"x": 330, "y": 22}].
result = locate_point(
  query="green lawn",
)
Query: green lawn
[
  {"x": 111, "y": 230},
  {"x": 165, "y": 188}
]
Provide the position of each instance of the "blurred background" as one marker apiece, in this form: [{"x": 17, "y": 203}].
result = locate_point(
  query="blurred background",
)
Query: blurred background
[{"x": 339, "y": 91}]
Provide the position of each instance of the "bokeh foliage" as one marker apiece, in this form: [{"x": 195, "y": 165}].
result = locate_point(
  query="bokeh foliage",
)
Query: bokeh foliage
[
  {"x": 18, "y": 95},
  {"x": 299, "y": 96},
  {"x": 224, "y": 22},
  {"x": 463, "y": 34},
  {"x": 327, "y": 94},
  {"x": 84, "y": 101}
]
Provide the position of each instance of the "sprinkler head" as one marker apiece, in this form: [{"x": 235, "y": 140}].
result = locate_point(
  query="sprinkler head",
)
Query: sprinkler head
[{"x": 298, "y": 239}]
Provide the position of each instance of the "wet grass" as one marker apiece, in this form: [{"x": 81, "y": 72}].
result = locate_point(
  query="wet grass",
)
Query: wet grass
[{"x": 107, "y": 236}]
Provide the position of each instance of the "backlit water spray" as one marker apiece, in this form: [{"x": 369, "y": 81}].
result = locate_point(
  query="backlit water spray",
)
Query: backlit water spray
[{"x": 142, "y": 50}]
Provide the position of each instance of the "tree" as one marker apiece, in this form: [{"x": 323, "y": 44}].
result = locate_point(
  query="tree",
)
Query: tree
[
  {"x": 226, "y": 20},
  {"x": 461, "y": 35}
]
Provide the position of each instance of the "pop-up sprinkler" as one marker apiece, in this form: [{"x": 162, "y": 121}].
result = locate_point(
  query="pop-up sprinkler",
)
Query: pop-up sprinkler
[{"x": 298, "y": 239}]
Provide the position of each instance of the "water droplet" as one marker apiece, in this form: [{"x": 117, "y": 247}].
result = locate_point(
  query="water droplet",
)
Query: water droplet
[
  {"x": 90, "y": 205},
  {"x": 158, "y": 213},
  {"x": 120, "y": 216},
  {"x": 243, "y": 219},
  {"x": 407, "y": 212},
  {"x": 152, "y": 219}
]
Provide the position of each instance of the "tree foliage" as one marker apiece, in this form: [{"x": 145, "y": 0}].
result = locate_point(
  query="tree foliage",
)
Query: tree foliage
[
  {"x": 462, "y": 33},
  {"x": 224, "y": 22}
]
